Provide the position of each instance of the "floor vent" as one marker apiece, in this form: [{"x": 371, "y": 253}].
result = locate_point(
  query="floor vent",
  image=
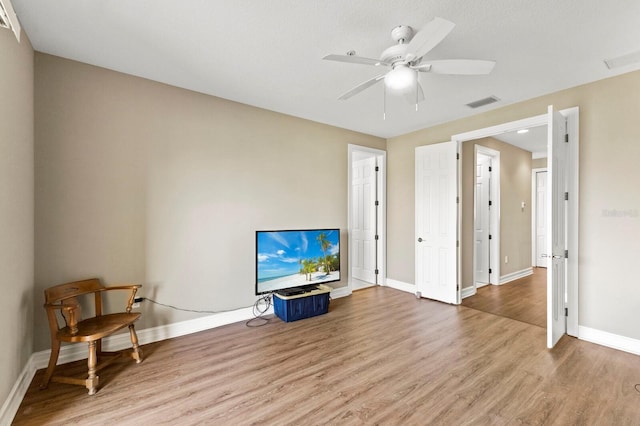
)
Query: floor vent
[{"x": 483, "y": 102}]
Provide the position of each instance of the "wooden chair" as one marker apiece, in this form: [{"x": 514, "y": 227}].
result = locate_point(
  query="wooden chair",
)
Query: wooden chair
[{"x": 66, "y": 325}]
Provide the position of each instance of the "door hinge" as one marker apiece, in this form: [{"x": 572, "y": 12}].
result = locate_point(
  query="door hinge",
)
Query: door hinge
[
  {"x": 489, "y": 270},
  {"x": 377, "y": 169},
  {"x": 457, "y": 200},
  {"x": 457, "y": 287},
  {"x": 457, "y": 243},
  {"x": 566, "y": 254},
  {"x": 490, "y": 168},
  {"x": 566, "y": 137},
  {"x": 376, "y": 272},
  {"x": 377, "y": 203},
  {"x": 566, "y": 196},
  {"x": 490, "y": 236},
  {"x": 457, "y": 156},
  {"x": 377, "y": 237},
  {"x": 566, "y": 312},
  {"x": 490, "y": 203}
]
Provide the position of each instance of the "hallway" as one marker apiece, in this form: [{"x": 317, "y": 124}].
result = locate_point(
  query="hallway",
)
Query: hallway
[{"x": 523, "y": 300}]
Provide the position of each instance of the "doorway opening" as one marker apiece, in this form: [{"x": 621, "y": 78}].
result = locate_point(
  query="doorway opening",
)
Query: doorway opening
[
  {"x": 367, "y": 207},
  {"x": 571, "y": 200}
]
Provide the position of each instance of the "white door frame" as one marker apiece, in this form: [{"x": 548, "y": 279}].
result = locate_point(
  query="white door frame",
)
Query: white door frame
[
  {"x": 381, "y": 156},
  {"x": 572, "y": 208},
  {"x": 494, "y": 218},
  {"x": 534, "y": 212}
]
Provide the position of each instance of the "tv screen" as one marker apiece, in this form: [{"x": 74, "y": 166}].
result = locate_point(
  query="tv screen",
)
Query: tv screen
[{"x": 296, "y": 258}]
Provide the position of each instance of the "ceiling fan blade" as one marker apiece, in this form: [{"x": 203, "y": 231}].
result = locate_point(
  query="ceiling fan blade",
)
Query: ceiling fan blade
[
  {"x": 428, "y": 38},
  {"x": 353, "y": 59},
  {"x": 415, "y": 96},
  {"x": 458, "y": 66},
  {"x": 360, "y": 87}
]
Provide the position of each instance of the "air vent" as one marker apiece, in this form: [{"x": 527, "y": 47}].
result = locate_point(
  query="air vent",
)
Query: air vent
[
  {"x": 8, "y": 18},
  {"x": 622, "y": 61},
  {"x": 4, "y": 21},
  {"x": 483, "y": 102}
]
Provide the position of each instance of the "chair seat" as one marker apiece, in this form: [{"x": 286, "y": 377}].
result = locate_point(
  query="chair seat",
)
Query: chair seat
[{"x": 98, "y": 327}]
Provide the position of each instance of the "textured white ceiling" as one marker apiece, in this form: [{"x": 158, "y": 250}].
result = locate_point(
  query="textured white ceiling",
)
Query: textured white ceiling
[{"x": 268, "y": 53}]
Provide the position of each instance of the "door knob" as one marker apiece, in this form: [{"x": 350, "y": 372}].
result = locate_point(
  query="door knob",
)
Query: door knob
[{"x": 419, "y": 240}]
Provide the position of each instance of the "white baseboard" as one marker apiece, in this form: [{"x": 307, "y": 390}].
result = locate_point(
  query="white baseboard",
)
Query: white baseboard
[
  {"x": 610, "y": 340},
  {"x": 340, "y": 292},
  {"x": 70, "y": 353},
  {"x": 399, "y": 285},
  {"x": 516, "y": 275},
  {"x": 467, "y": 291},
  {"x": 12, "y": 403},
  {"x": 357, "y": 284}
]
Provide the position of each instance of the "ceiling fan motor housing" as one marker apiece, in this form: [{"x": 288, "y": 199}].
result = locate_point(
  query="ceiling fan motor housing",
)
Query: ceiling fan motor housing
[
  {"x": 394, "y": 54},
  {"x": 401, "y": 33}
]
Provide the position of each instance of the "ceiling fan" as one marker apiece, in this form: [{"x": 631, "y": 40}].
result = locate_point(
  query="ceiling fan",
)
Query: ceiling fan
[{"x": 406, "y": 59}]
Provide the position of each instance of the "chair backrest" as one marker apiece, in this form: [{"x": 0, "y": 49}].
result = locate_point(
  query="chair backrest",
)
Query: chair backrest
[
  {"x": 67, "y": 296},
  {"x": 74, "y": 289}
]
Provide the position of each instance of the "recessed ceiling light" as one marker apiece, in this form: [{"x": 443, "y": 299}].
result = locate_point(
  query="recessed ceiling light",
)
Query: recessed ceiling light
[{"x": 521, "y": 131}]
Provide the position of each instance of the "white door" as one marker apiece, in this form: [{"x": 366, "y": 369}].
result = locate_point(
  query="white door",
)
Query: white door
[
  {"x": 481, "y": 219},
  {"x": 541, "y": 219},
  {"x": 363, "y": 220},
  {"x": 436, "y": 221},
  {"x": 556, "y": 235}
]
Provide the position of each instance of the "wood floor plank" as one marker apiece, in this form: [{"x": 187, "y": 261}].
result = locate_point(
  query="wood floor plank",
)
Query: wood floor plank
[
  {"x": 524, "y": 299},
  {"x": 380, "y": 356}
]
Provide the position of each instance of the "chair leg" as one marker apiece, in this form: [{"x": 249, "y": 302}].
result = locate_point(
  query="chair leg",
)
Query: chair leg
[
  {"x": 137, "y": 352},
  {"x": 92, "y": 380},
  {"x": 53, "y": 360}
]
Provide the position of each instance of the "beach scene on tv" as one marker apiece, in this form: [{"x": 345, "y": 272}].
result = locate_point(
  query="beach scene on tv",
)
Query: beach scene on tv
[{"x": 297, "y": 258}]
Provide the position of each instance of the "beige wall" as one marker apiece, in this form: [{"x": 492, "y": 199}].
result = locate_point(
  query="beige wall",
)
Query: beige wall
[
  {"x": 515, "y": 222},
  {"x": 137, "y": 181},
  {"x": 609, "y": 204},
  {"x": 539, "y": 163},
  {"x": 16, "y": 208}
]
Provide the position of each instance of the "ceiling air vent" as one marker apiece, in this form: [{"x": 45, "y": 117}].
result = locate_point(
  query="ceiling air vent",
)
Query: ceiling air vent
[
  {"x": 4, "y": 21},
  {"x": 483, "y": 102},
  {"x": 8, "y": 18},
  {"x": 622, "y": 61}
]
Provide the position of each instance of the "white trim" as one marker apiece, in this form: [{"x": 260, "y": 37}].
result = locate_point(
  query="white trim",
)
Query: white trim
[
  {"x": 357, "y": 284},
  {"x": 70, "y": 353},
  {"x": 534, "y": 214},
  {"x": 402, "y": 286},
  {"x": 494, "y": 216},
  {"x": 573, "y": 178},
  {"x": 381, "y": 161},
  {"x": 468, "y": 291},
  {"x": 516, "y": 275},
  {"x": 18, "y": 391},
  {"x": 573, "y": 184},
  {"x": 339, "y": 292},
  {"x": 610, "y": 340}
]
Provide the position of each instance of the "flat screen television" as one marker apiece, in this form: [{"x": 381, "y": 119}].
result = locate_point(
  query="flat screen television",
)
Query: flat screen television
[{"x": 296, "y": 259}]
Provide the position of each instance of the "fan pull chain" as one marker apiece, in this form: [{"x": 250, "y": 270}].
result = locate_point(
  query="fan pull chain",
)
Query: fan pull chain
[
  {"x": 417, "y": 88},
  {"x": 384, "y": 103}
]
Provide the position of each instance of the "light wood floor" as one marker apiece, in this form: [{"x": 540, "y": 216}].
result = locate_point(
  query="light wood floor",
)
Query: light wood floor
[
  {"x": 380, "y": 356},
  {"x": 524, "y": 299}
]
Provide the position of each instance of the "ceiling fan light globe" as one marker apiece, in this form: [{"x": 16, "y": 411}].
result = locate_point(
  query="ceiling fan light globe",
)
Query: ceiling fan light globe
[{"x": 400, "y": 79}]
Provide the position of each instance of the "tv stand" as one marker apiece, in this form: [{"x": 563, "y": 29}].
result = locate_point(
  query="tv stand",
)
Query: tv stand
[{"x": 306, "y": 304}]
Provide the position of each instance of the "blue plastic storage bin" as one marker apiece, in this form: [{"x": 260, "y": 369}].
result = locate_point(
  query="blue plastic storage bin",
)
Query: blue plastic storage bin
[{"x": 293, "y": 308}]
